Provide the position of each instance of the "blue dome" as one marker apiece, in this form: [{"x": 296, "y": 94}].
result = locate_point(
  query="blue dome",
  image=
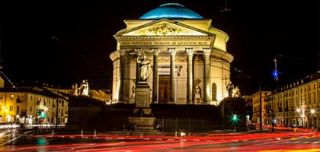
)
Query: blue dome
[{"x": 171, "y": 11}]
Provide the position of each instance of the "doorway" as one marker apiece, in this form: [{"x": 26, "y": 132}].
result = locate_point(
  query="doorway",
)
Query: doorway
[{"x": 164, "y": 88}]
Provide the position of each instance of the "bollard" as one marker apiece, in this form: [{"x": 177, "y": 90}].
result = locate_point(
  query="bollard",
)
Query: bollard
[
  {"x": 176, "y": 134},
  {"x": 94, "y": 133},
  {"x": 81, "y": 133},
  {"x": 52, "y": 132}
]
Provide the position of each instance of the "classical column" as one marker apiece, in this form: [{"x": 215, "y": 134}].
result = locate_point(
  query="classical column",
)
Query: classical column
[
  {"x": 172, "y": 74},
  {"x": 207, "y": 75},
  {"x": 138, "y": 52},
  {"x": 189, "y": 52},
  {"x": 155, "y": 86},
  {"x": 122, "y": 77}
]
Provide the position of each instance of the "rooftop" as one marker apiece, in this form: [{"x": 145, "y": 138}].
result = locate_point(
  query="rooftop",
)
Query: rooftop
[{"x": 171, "y": 11}]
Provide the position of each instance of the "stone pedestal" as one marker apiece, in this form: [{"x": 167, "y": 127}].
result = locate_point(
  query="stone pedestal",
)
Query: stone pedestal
[
  {"x": 142, "y": 115},
  {"x": 143, "y": 123},
  {"x": 142, "y": 95}
]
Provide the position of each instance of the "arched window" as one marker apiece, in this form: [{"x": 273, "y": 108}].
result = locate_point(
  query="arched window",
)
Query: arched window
[{"x": 214, "y": 91}]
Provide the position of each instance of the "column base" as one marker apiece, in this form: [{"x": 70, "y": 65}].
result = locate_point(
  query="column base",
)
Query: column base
[{"x": 211, "y": 103}]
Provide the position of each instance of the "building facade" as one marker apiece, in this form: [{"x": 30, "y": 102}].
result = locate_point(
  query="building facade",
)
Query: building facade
[
  {"x": 32, "y": 106},
  {"x": 296, "y": 104},
  {"x": 260, "y": 96},
  {"x": 187, "y": 57}
]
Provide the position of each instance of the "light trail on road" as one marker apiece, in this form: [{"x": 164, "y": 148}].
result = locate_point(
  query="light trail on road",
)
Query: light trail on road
[{"x": 285, "y": 141}]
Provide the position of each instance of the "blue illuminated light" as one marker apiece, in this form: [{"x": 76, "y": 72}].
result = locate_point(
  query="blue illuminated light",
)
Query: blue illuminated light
[
  {"x": 171, "y": 11},
  {"x": 275, "y": 74}
]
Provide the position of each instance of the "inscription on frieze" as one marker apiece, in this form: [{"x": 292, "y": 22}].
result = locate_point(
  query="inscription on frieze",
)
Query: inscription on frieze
[{"x": 166, "y": 43}]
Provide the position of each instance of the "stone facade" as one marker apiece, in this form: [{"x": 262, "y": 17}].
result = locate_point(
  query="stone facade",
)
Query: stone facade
[
  {"x": 296, "y": 104},
  {"x": 189, "y": 60}
]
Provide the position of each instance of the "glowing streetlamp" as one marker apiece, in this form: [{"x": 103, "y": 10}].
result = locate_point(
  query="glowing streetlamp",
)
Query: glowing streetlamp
[
  {"x": 301, "y": 112},
  {"x": 312, "y": 111}
]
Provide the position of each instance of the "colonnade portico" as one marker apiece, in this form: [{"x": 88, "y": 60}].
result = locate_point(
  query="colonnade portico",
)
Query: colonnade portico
[{"x": 188, "y": 52}]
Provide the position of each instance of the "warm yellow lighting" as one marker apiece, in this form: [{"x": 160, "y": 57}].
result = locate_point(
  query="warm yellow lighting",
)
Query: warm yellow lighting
[
  {"x": 313, "y": 111},
  {"x": 298, "y": 110},
  {"x": 164, "y": 28},
  {"x": 8, "y": 118}
]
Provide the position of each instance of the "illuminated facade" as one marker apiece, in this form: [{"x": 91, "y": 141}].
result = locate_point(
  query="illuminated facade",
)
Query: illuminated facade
[
  {"x": 296, "y": 104},
  {"x": 189, "y": 58},
  {"x": 256, "y": 97},
  {"x": 103, "y": 95},
  {"x": 32, "y": 106}
]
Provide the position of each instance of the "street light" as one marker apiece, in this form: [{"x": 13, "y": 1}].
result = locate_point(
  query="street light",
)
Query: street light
[
  {"x": 313, "y": 111},
  {"x": 301, "y": 111}
]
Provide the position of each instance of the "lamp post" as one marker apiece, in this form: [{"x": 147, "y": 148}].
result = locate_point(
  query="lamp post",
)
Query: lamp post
[
  {"x": 260, "y": 98},
  {"x": 301, "y": 112},
  {"x": 272, "y": 120},
  {"x": 313, "y": 123}
]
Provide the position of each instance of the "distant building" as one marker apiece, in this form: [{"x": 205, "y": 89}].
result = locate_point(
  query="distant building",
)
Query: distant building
[
  {"x": 256, "y": 97},
  {"x": 103, "y": 95},
  {"x": 297, "y": 103},
  {"x": 32, "y": 106}
]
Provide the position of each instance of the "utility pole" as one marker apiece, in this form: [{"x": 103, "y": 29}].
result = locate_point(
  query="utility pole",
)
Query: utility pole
[
  {"x": 57, "y": 108},
  {"x": 260, "y": 108}
]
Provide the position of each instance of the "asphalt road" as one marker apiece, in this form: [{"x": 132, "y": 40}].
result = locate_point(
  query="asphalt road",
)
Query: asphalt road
[{"x": 243, "y": 142}]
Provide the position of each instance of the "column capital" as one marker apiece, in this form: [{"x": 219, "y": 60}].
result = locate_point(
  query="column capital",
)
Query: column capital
[
  {"x": 156, "y": 51},
  {"x": 172, "y": 51},
  {"x": 206, "y": 51},
  {"x": 189, "y": 51},
  {"x": 138, "y": 51},
  {"x": 122, "y": 52}
]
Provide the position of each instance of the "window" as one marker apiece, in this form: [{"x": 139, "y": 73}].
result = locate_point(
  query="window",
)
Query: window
[
  {"x": 30, "y": 108},
  {"x": 11, "y": 108},
  {"x": 18, "y": 110}
]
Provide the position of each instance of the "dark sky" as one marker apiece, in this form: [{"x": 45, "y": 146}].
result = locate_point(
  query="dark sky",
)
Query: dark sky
[{"x": 62, "y": 42}]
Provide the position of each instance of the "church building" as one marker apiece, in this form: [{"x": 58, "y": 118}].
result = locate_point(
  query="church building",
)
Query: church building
[{"x": 185, "y": 58}]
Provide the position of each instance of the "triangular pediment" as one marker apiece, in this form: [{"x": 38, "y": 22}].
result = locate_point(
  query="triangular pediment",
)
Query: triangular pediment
[{"x": 163, "y": 28}]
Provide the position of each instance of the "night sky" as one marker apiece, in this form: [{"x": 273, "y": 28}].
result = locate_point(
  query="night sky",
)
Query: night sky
[{"x": 62, "y": 42}]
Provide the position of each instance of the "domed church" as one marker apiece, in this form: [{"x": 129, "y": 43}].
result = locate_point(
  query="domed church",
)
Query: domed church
[{"x": 174, "y": 51}]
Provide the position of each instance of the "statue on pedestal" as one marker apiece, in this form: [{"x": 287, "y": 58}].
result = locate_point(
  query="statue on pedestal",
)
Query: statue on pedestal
[
  {"x": 82, "y": 90},
  {"x": 144, "y": 66},
  {"x": 133, "y": 89},
  {"x": 75, "y": 89},
  {"x": 197, "y": 91},
  {"x": 230, "y": 88},
  {"x": 236, "y": 92}
]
